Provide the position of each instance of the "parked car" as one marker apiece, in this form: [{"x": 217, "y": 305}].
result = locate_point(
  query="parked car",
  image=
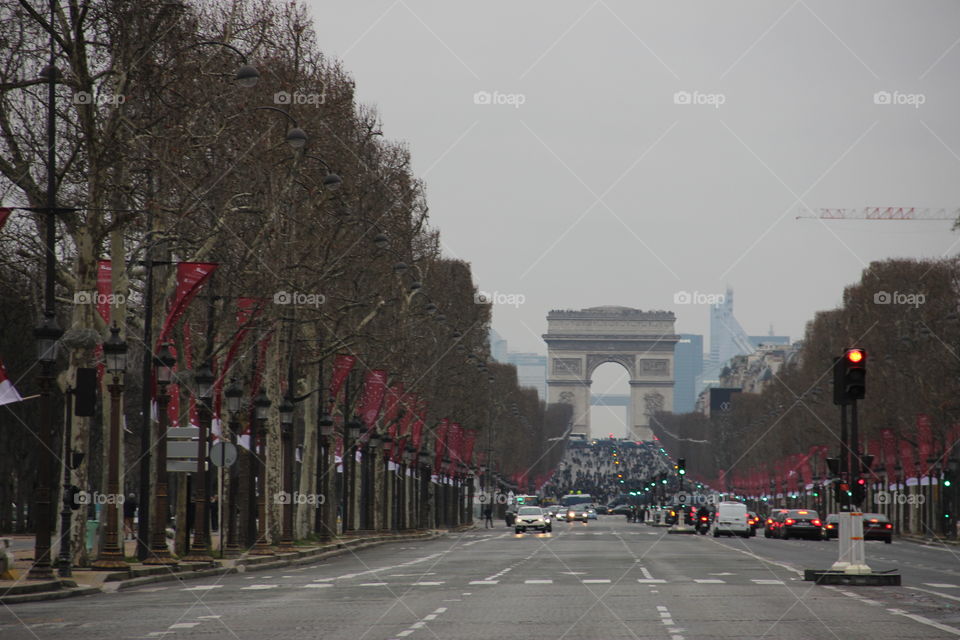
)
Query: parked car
[
  {"x": 774, "y": 520},
  {"x": 877, "y": 526},
  {"x": 801, "y": 523},
  {"x": 532, "y": 518}
]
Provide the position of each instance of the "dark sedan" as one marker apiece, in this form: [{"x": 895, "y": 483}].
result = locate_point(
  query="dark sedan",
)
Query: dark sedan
[
  {"x": 773, "y": 522},
  {"x": 801, "y": 523},
  {"x": 877, "y": 526}
]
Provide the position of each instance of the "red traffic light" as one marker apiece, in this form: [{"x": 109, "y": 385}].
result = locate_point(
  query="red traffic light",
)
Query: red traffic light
[
  {"x": 855, "y": 356},
  {"x": 861, "y": 481}
]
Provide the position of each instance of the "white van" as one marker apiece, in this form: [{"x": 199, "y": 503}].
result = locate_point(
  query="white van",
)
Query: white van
[{"x": 731, "y": 520}]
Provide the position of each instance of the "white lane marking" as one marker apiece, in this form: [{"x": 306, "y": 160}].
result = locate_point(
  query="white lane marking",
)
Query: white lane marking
[
  {"x": 574, "y": 573},
  {"x": 484, "y": 582},
  {"x": 724, "y": 573},
  {"x": 942, "y": 595},
  {"x": 667, "y": 622},
  {"x": 318, "y": 579},
  {"x": 256, "y": 587},
  {"x": 664, "y": 614},
  {"x": 441, "y": 610},
  {"x": 150, "y": 589},
  {"x": 538, "y": 582},
  {"x": 431, "y": 616},
  {"x": 426, "y": 584},
  {"x": 660, "y": 607},
  {"x": 939, "y": 585},
  {"x": 596, "y": 581},
  {"x": 926, "y": 621},
  {"x": 208, "y": 617},
  {"x": 316, "y": 586},
  {"x": 869, "y": 601},
  {"x": 403, "y": 634},
  {"x": 203, "y": 587},
  {"x": 756, "y": 581},
  {"x": 372, "y": 584},
  {"x": 418, "y": 625},
  {"x": 646, "y": 573},
  {"x": 650, "y": 581},
  {"x": 183, "y": 625},
  {"x": 710, "y": 581},
  {"x": 159, "y": 634}
]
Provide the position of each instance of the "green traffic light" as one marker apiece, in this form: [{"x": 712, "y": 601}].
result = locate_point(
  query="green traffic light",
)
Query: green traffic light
[
  {"x": 947, "y": 483},
  {"x": 683, "y": 472}
]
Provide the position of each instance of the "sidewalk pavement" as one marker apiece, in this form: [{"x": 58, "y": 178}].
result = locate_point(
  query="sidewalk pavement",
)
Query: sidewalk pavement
[{"x": 86, "y": 581}]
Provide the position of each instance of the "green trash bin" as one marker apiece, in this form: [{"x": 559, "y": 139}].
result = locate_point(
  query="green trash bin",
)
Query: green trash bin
[{"x": 92, "y": 526}]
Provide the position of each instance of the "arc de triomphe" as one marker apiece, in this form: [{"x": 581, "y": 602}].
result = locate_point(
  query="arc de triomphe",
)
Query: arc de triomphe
[{"x": 641, "y": 341}]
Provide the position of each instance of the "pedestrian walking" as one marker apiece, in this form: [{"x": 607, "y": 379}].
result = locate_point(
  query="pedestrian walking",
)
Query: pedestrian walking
[
  {"x": 129, "y": 513},
  {"x": 488, "y": 517}
]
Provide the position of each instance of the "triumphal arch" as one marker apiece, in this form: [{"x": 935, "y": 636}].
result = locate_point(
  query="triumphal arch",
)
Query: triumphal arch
[{"x": 642, "y": 342}]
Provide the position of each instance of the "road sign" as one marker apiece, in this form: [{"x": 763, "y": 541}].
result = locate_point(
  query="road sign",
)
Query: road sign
[{"x": 223, "y": 454}]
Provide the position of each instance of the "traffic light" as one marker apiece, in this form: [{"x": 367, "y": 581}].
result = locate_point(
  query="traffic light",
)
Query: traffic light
[
  {"x": 858, "y": 491},
  {"x": 850, "y": 376},
  {"x": 682, "y": 466},
  {"x": 841, "y": 492}
]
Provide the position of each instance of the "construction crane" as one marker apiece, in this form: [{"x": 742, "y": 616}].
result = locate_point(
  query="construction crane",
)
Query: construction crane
[{"x": 881, "y": 213}]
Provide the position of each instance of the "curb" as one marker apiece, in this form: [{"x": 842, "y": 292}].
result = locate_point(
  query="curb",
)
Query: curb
[{"x": 241, "y": 565}]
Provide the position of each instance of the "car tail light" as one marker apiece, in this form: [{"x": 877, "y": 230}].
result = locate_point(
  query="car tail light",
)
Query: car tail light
[
  {"x": 888, "y": 526},
  {"x": 874, "y": 520},
  {"x": 816, "y": 523},
  {"x": 769, "y": 520},
  {"x": 829, "y": 526},
  {"x": 789, "y": 521}
]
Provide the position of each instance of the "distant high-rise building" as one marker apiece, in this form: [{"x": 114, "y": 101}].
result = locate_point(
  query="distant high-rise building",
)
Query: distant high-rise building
[
  {"x": 531, "y": 367},
  {"x": 727, "y": 339},
  {"x": 688, "y": 367}
]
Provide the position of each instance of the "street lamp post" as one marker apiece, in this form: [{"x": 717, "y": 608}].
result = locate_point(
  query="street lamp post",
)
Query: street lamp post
[
  {"x": 424, "y": 459},
  {"x": 234, "y": 397},
  {"x": 111, "y": 555},
  {"x": 261, "y": 406},
  {"x": 199, "y": 549},
  {"x": 159, "y": 551},
  {"x": 349, "y": 474},
  {"x": 286, "y": 436},
  {"x": 324, "y": 522}
]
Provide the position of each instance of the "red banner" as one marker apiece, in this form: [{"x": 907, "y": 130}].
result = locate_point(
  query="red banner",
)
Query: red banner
[
  {"x": 440, "y": 444},
  {"x": 374, "y": 388},
  {"x": 104, "y": 289},
  {"x": 257, "y": 380},
  {"x": 924, "y": 439},
  {"x": 4, "y": 214},
  {"x": 454, "y": 444},
  {"x": 469, "y": 441},
  {"x": 391, "y": 411},
  {"x": 906, "y": 460},
  {"x": 416, "y": 435},
  {"x": 342, "y": 364},
  {"x": 190, "y": 279}
]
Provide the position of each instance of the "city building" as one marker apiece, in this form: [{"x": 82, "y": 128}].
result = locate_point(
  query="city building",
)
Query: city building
[{"x": 688, "y": 371}]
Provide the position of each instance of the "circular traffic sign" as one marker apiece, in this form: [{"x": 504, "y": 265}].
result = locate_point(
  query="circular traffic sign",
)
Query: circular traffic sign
[{"x": 223, "y": 454}]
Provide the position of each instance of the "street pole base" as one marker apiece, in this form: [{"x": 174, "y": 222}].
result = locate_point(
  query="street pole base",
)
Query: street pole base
[
  {"x": 161, "y": 557},
  {"x": 40, "y": 573},
  {"x": 109, "y": 561},
  {"x": 231, "y": 551},
  {"x": 874, "y": 579},
  {"x": 858, "y": 569}
]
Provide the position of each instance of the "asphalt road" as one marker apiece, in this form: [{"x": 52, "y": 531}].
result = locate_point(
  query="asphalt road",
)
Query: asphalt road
[{"x": 608, "y": 579}]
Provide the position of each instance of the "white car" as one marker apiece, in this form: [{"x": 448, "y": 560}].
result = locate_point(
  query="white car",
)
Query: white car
[
  {"x": 731, "y": 520},
  {"x": 532, "y": 518}
]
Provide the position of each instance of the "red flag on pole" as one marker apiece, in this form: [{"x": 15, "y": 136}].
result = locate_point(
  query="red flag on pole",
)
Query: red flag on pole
[
  {"x": 906, "y": 460},
  {"x": 374, "y": 388},
  {"x": 4, "y": 214},
  {"x": 439, "y": 445},
  {"x": 190, "y": 279},
  {"x": 342, "y": 364},
  {"x": 8, "y": 393}
]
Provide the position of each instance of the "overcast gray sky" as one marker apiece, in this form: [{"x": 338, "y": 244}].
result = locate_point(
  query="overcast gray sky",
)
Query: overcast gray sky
[{"x": 587, "y": 180}]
